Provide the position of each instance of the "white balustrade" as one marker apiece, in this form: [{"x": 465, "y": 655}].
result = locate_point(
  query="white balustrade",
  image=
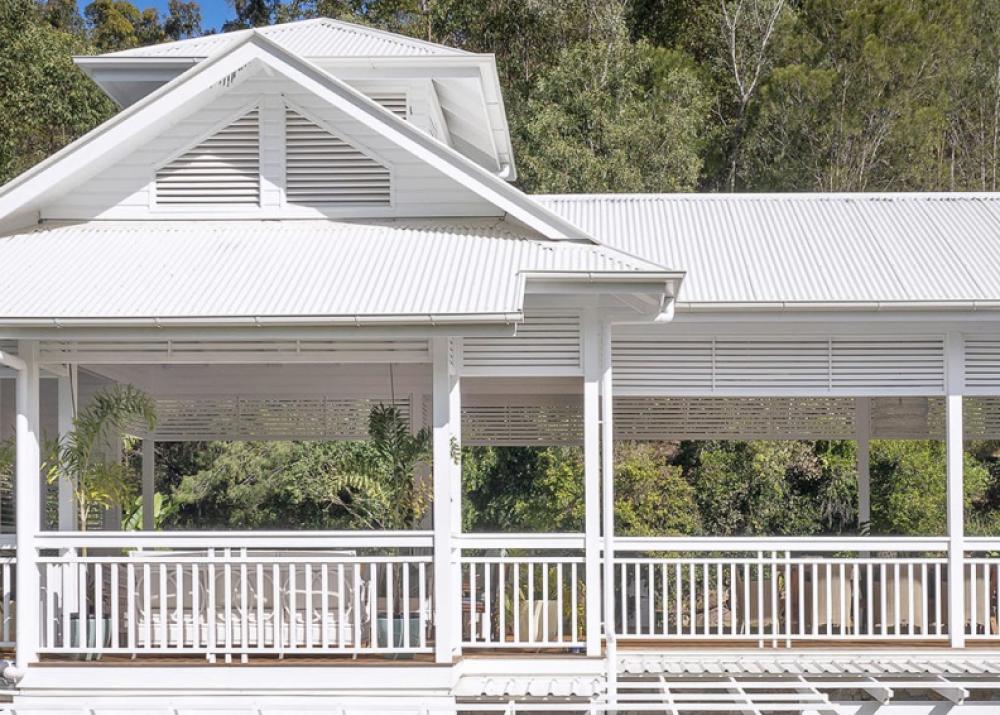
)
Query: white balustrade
[
  {"x": 523, "y": 591},
  {"x": 8, "y": 562},
  {"x": 341, "y": 594}
]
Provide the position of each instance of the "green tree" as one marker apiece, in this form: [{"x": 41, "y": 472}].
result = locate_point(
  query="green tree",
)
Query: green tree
[
  {"x": 113, "y": 24},
  {"x": 652, "y": 497},
  {"x": 45, "y": 100},
  {"x": 183, "y": 19}
]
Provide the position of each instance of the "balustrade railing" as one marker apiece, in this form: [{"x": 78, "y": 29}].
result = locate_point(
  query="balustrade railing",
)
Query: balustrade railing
[
  {"x": 523, "y": 591},
  {"x": 236, "y": 594},
  {"x": 8, "y": 562}
]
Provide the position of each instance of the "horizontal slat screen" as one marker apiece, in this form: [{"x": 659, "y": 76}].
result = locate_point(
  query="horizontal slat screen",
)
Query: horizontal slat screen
[
  {"x": 652, "y": 365},
  {"x": 223, "y": 169},
  {"x": 265, "y": 418},
  {"x": 982, "y": 363},
  {"x": 322, "y": 169},
  {"x": 543, "y": 341},
  {"x": 521, "y": 420}
]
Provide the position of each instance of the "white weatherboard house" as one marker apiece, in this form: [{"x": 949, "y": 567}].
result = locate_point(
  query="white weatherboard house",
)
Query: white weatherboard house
[{"x": 285, "y": 226}]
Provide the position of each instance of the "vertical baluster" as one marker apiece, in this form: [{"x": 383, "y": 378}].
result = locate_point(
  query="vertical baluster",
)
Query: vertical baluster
[
  {"x": 574, "y": 603},
  {"x": 405, "y": 584},
  {"x": 258, "y": 602},
  {"x": 910, "y": 610},
  {"x": 99, "y": 606},
  {"x": 869, "y": 599},
  {"x": 516, "y": 597},
  {"x": 195, "y": 606},
  {"x": 307, "y": 615},
  {"x": 422, "y": 590},
  {"x": 996, "y": 577},
  {"x": 971, "y": 615},
  {"x": 147, "y": 605},
  {"x": 341, "y": 601},
  {"x": 986, "y": 598},
  {"x": 842, "y": 596},
  {"x": 883, "y": 596},
  {"x": 623, "y": 601},
  {"x": 488, "y": 602},
  {"x": 692, "y": 596},
  {"x": 179, "y": 603},
  {"x": 7, "y": 636},
  {"x": 924, "y": 615},
  {"x": 706, "y": 616},
  {"x": 278, "y": 628},
  {"x": 678, "y": 593},
  {"x": 815, "y": 598},
  {"x": 760, "y": 597},
  {"x": 665, "y": 588},
  {"x": 775, "y": 616},
  {"x": 83, "y": 626},
  {"x": 559, "y": 601},
  {"x": 130, "y": 595},
  {"x": 802, "y": 598},
  {"x": 244, "y": 603},
  {"x": 293, "y": 606},
  {"x": 373, "y": 602},
  {"x": 545, "y": 601},
  {"x": 163, "y": 633},
  {"x": 895, "y": 598},
  {"x": 734, "y": 605},
  {"x": 829, "y": 598},
  {"x": 747, "y": 611},
  {"x": 787, "y": 592},
  {"x": 324, "y": 604},
  {"x": 502, "y": 601},
  {"x": 472, "y": 601},
  {"x": 391, "y": 606},
  {"x": 650, "y": 600},
  {"x": 531, "y": 602},
  {"x": 939, "y": 626},
  {"x": 637, "y": 597},
  {"x": 114, "y": 606},
  {"x": 211, "y": 619},
  {"x": 227, "y": 602},
  {"x": 856, "y": 591},
  {"x": 356, "y": 610},
  {"x": 50, "y": 607}
]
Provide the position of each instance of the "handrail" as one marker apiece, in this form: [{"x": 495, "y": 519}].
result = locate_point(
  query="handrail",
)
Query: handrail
[
  {"x": 982, "y": 543},
  {"x": 811, "y": 544},
  {"x": 519, "y": 541},
  {"x": 233, "y": 539}
]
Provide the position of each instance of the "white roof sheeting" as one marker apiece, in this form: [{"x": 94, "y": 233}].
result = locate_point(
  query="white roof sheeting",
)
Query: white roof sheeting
[
  {"x": 319, "y": 37},
  {"x": 802, "y": 248},
  {"x": 276, "y": 269}
]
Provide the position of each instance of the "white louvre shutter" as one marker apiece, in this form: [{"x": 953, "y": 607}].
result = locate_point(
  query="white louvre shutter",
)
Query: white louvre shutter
[
  {"x": 645, "y": 365},
  {"x": 395, "y": 102},
  {"x": 323, "y": 170},
  {"x": 223, "y": 169},
  {"x": 544, "y": 341},
  {"x": 982, "y": 364}
]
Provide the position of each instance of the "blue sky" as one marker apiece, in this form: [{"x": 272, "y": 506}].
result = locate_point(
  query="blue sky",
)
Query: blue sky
[{"x": 213, "y": 12}]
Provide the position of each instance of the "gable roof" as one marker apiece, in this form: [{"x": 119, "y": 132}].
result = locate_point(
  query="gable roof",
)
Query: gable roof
[
  {"x": 105, "y": 143},
  {"x": 318, "y": 37},
  {"x": 287, "y": 272},
  {"x": 765, "y": 251}
]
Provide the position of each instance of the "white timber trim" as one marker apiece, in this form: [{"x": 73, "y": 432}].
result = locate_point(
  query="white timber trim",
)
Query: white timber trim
[
  {"x": 445, "y": 601},
  {"x": 28, "y": 491},
  {"x": 67, "y": 397},
  {"x": 608, "y": 505},
  {"x": 954, "y": 444},
  {"x": 592, "y": 373}
]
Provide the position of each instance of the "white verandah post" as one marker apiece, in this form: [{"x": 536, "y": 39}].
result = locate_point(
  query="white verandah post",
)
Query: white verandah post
[
  {"x": 148, "y": 483},
  {"x": 954, "y": 445},
  {"x": 27, "y": 493},
  {"x": 592, "y": 361},
  {"x": 608, "y": 504},
  {"x": 67, "y": 399},
  {"x": 863, "y": 433},
  {"x": 446, "y": 429}
]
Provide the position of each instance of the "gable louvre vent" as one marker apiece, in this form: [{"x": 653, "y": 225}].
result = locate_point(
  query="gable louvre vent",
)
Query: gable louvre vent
[
  {"x": 323, "y": 169},
  {"x": 223, "y": 169},
  {"x": 395, "y": 102}
]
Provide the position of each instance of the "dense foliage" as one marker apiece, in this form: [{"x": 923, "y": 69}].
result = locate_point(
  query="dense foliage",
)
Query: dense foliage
[{"x": 605, "y": 95}]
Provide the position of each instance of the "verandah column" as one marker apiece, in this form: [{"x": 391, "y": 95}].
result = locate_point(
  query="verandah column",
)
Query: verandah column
[
  {"x": 955, "y": 448},
  {"x": 27, "y": 493},
  {"x": 592, "y": 360},
  {"x": 446, "y": 430},
  {"x": 863, "y": 430},
  {"x": 608, "y": 504},
  {"x": 67, "y": 398}
]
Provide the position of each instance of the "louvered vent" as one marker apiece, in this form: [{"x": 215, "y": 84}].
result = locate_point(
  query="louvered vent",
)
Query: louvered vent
[
  {"x": 652, "y": 366},
  {"x": 324, "y": 170},
  {"x": 544, "y": 340},
  {"x": 982, "y": 363},
  {"x": 395, "y": 102},
  {"x": 223, "y": 169}
]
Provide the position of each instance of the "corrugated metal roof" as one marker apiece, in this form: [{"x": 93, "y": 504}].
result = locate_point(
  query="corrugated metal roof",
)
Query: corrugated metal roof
[
  {"x": 205, "y": 269},
  {"x": 319, "y": 37},
  {"x": 801, "y": 248}
]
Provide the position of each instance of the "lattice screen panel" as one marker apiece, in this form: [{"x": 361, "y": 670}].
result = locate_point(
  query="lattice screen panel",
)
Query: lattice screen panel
[
  {"x": 651, "y": 365},
  {"x": 274, "y": 418},
  {"x": 546, "y": 341}
]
